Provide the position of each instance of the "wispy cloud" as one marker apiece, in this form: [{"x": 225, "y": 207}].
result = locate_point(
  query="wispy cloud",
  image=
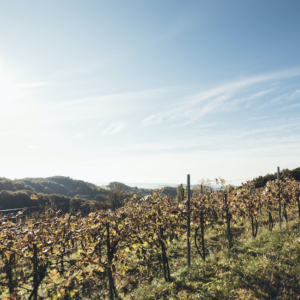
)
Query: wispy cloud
[
  {"x": 225, "y": 97},
  {"x": 82, "y": 69},
  {"x": 287, "y": 97},
  {"x": 208, "y": 125},
  {"x": 35, "y": 84},
  {"x": 159, "y": 146},
  {"x": 278, "y": 99},
  {"x": 291, "y": 106},
  {"x": 113, "y": 128},
  {"x": 258, "y": 118},
  {"x": 295, "y": 95}
]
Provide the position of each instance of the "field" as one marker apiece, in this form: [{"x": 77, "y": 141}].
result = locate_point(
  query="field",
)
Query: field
[
  {"x": 265, "y": 267},
  {"x": 238, "y": 250}
]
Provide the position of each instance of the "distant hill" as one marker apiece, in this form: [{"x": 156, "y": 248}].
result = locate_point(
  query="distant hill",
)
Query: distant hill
[
  {"x": 172, "y": 191},
  {"x": 128, "y": 188},
  {"x": 66, "y": 186},
  {"x": 57, "y": 193},
  {"x": 14, "y": 185}
]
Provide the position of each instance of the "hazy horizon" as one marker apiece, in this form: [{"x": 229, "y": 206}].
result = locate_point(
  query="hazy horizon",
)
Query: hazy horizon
[{"x": 144, "y": 185}]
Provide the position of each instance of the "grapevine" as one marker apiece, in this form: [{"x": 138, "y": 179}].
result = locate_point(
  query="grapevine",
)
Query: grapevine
[{"x": 73, "y": 255}]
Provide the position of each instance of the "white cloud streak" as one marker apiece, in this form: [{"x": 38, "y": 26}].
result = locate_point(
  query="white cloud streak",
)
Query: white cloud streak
[
  {"x": 224, "y": 97},
  {"x": 113, "y": 129}
]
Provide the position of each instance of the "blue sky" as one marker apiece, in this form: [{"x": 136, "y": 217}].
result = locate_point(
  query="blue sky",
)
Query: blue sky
[{"x": 149, "y": 91}]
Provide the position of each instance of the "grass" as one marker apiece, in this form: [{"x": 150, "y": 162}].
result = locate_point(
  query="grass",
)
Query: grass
[{"x": 265, "y": 267}]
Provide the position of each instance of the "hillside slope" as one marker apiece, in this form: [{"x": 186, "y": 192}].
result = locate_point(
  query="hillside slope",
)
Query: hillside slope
[{"x": 62, "y": 185}]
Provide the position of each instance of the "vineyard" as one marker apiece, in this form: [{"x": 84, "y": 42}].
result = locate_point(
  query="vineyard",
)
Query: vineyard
[{"x": 107, "y": 255}]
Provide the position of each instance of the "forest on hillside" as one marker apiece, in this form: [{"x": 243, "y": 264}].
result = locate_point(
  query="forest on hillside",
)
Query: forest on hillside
[{"x": 59, "y": 192}]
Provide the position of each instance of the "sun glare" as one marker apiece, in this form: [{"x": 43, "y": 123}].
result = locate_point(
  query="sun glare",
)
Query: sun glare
[{"x": 9, "y": 94}]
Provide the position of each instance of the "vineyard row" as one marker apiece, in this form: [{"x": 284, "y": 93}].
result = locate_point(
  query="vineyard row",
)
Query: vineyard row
[{"x": 68, "y": 256}]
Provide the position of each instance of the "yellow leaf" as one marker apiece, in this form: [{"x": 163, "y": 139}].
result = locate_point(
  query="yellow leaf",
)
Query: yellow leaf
[
  {"x": 96, "y": 259},
  {"x": 134, "y": 246},
  {"x": 54, "y": 275}
]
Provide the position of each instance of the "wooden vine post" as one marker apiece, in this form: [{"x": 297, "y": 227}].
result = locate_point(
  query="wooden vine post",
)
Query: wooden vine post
[
  {"x": 278, "y": 181},
  {"x": 228, "y": 220},
  {"x": 254, "y": 226},
  {"x": 202, "y": 227},
  {"x": 35, "y": 274},
  {"x": 8, "y": 267},
  {"x": 188, "y": 221},
  {"x": 109, "y": 258},
  {"x": 164, "y": 256}
]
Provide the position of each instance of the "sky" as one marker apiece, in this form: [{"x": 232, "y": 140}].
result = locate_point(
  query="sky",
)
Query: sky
[{"x": 149, "y": 91}]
